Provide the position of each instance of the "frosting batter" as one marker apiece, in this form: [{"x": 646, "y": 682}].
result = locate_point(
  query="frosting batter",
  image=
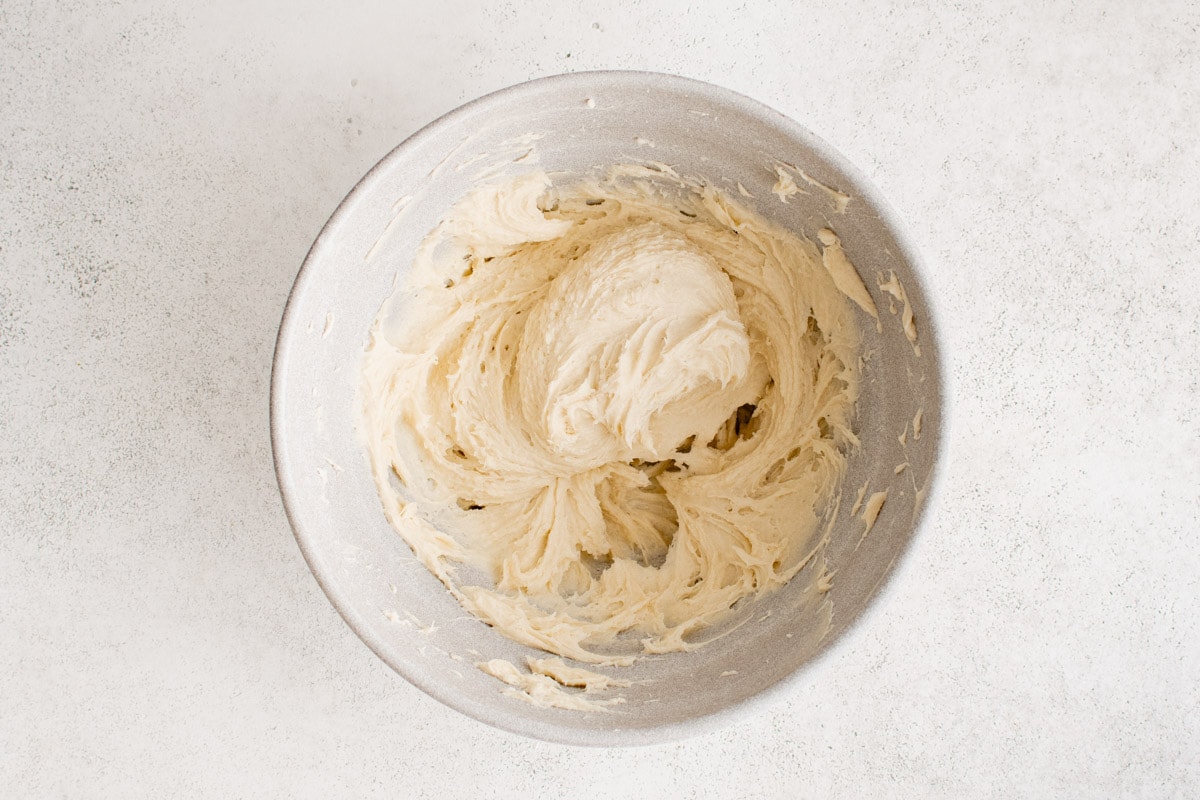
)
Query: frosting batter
[{"x": 604, "y": 412}]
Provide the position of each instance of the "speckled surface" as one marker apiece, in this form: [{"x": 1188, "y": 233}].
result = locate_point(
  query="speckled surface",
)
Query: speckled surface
[{"x": 162, "y": 173}]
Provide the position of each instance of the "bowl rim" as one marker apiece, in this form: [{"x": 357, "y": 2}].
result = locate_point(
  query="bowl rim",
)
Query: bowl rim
[{"x": 708, "y": 721}]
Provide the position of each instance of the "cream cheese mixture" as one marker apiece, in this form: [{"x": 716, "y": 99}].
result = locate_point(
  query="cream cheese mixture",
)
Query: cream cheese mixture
[{"x": 604, "y": 411}]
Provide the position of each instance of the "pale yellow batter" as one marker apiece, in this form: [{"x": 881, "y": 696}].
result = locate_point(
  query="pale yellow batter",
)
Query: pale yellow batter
[{"x": 603, "y": 412}]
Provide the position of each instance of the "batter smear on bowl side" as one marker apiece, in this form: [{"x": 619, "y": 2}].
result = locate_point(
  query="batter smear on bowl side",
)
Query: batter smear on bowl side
[{"x": 602, "y": 412}]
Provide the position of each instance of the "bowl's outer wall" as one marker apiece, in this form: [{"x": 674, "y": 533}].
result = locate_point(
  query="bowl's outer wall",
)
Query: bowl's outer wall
[{"x": 584, "y": 121}]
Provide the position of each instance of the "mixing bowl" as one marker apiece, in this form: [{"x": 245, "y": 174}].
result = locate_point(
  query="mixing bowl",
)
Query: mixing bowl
[{"x": 571, "y": 124}]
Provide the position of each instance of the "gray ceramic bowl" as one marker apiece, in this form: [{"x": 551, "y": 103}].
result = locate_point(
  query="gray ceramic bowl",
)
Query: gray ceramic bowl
[{"x": 586, "y": 119}]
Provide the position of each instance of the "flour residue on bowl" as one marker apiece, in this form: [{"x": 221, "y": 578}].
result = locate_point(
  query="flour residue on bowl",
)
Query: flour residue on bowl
[{"x": 604, "y": 412}]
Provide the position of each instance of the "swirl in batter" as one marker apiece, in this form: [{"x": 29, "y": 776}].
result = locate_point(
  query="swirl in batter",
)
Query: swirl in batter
[{"x": 605, "y": 412}]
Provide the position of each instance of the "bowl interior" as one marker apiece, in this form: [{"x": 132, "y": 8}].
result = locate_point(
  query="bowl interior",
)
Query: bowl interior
[{"x": 573, "y": 124}]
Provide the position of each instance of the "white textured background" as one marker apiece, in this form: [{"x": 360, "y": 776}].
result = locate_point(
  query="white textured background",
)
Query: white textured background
[{"x": 163, "y": 169}]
